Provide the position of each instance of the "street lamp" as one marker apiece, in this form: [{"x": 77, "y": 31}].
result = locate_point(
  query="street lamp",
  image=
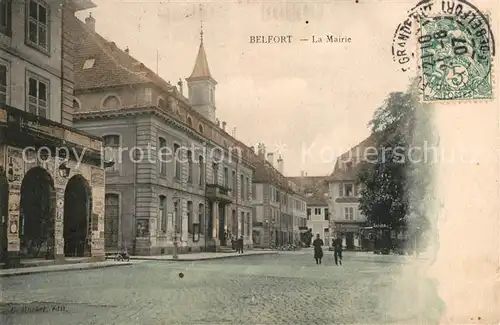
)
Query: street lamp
[{"x": 64, "y": 170}]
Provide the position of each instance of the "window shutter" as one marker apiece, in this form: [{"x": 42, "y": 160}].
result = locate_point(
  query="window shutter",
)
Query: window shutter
[
  {"x": 341, "y": 189},
  {"x": 355, "y": 189}
]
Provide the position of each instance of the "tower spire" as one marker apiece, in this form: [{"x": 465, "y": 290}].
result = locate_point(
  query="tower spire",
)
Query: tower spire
[{"x": 201, "y": 22}]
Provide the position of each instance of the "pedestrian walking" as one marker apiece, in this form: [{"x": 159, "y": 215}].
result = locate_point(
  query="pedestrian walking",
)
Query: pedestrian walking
[
  {"x": 240, "y": 245},
  {"x": 318, "y": 249},
  {"x": 337, "y": 245}
]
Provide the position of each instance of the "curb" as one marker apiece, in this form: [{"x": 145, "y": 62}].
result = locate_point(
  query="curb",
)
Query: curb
[
  {"x": 198, "y": 259},
  {"x": 89, "y": 267}
]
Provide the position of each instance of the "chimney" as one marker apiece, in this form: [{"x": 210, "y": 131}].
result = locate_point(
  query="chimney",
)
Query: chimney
[
  {"x": 261, "y": 151},
  {"x": 270, "y": 158},
  {"x": 127, "y": 50},
  {"x": 280, "y": 165},
  {"x": 218, "y": 122},
  {"x": 90, "y": 22},
  {"x": 302, "y": 173},
  {"x": 224, "y": 126},
  {"x": 179, "y": 83}
]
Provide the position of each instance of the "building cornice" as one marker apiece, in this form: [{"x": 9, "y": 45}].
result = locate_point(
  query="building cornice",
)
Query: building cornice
[{"x": 152, "y": 111}]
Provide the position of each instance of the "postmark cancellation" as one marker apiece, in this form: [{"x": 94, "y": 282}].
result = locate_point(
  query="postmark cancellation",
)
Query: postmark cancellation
[{"x": 455, "y": 55}]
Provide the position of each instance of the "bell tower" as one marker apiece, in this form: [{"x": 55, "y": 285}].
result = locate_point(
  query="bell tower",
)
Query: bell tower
[{"x": 201, "y": 85}]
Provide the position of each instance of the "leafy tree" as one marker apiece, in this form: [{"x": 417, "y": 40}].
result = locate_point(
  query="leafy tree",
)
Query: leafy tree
[{"x": 396, "y": 181}]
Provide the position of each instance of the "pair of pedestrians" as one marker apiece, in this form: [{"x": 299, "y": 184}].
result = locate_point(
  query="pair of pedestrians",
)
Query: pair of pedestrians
[{"x": 318, "y": 250}]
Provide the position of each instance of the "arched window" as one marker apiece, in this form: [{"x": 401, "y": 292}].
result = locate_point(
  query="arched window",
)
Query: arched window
[
  {"x": 189, "y": 121},
  {"x": 112, "y": 151},
  {"x": 162, "y": 155},
  {"x": 190, "y": 167},
  {"x": 177, "y": 164},
  {"x": 190, "y": 217},
  {"x": 200, "y": 128},
  {"x": 111, "y": 102},
  {"x": 162, "y": 213},
  {"x": 201, "y": 218},
  {"x": 201, "y": 165},
  {"x": 76, "y": 105}
]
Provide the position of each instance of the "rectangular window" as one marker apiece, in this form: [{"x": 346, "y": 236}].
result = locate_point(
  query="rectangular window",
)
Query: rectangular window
[
  {"x": 348, "y": 190},
  {"x": 201, "y": 173},
  {"x": 6, "y": 17},
  {"x": 38, "y": 95},
  {"x": 226, "y": 177},
  {"x": 163, "y": 214},
  {"x": 327, "y": 214},
  {"x": 190, "y": 167},
  {"x": 4, "y": 82},
  {"x": 37, "y": 24},
  {"x": 249, "y": 190},
  {"x": 201, "y": 218},
  {"x": 242, "y": 187},
  {"x": 112, "y": 151},
  {"x": 177, "y": 162},
  {"x": 190, "y": 217},
  {"x": 235, "y": 183},
  {"x": 317, "y": 211},
  {"x": 349, "y": 213},
  {"x": 308, "y": 213},
  {"x": 162, "y": 155}
]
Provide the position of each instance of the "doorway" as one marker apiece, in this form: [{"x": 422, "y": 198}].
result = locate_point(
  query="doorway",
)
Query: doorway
[
  {"x": 222, "y": 225},
  {"x": 349, "y": 240},
  {"x": 37, "y": 214},
  {"x": 77, "y": 210}
]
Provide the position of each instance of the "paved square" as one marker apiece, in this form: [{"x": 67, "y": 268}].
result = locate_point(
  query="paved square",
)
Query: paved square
[{"x": 288, "y": 288}]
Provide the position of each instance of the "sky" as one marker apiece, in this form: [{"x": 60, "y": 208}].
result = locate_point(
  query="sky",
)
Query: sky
[{"x": 309, "y": 102}]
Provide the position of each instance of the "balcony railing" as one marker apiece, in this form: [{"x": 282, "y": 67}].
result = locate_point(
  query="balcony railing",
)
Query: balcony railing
[{"x": 220, "y": 193}]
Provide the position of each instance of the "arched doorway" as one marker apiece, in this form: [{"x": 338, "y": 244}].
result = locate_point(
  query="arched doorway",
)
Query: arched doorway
[
  {"x": 37, "y": 214},
  {"x": 4, "y": 209},
  {"x": 77, "y": 210}
]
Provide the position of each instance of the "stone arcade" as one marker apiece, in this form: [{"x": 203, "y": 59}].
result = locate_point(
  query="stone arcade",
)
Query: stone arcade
[{"x": 51, "y": 207}]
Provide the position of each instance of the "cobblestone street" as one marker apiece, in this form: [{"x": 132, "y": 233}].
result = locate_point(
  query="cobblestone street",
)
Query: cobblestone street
[{"x": 274, "y": 289}]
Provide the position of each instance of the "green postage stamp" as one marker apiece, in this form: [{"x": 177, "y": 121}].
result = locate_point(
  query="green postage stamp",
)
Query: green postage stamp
[{"x": 455, "y": 58}]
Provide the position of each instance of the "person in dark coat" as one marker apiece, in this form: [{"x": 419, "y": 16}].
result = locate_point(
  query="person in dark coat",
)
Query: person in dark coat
[
  {"x": 337, "y": 244},
  {"x": 318, "y": 249},
  {"x": 240, "y": 245}
]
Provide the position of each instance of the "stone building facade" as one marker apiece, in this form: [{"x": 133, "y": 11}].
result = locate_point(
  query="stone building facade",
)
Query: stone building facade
[
  {"x": 344, "y": 193},
  {"x": 51, "y": 179},
  {"x": 279, "y": 210},
  {"x": 157, "y": 202}
]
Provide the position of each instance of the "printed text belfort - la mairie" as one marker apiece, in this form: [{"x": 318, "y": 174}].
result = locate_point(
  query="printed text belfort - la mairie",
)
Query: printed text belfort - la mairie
[{"x": 276, "y": 39}]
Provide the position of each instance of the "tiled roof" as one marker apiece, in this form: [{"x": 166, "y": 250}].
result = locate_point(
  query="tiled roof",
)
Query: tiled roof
[
  {"x": 355, "y": 153},
  {"x": 112, "y": 66},
  {"x": 201, "y": 69},
  {"x": 314, "y": 188},
  {"x": 266, "y": 173}
]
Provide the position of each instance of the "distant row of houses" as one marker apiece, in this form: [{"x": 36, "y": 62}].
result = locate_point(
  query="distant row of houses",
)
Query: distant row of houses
[{"x": 333, "y": 200}]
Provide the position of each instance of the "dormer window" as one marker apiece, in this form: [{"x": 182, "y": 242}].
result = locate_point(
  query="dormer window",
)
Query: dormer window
[
  {"x": 111, "y": 102},
  {"x": 189, "y": 121},
  {"x": 76, "y": 105},
  {"x": 161, "y": 104},
  {"x": 88, "y": 64},
  {"x": 200, "y": 128}
]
